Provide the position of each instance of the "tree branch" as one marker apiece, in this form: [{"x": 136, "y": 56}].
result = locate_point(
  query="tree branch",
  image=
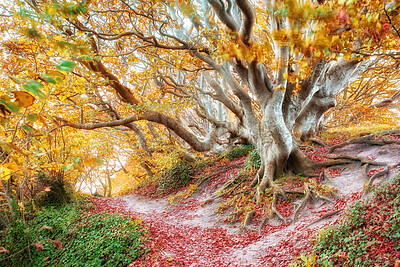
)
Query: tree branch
[
  {"x": 248, "y": 21},
  {"x": 225, "y": 18},
  {"x": 159, "y": 118}
]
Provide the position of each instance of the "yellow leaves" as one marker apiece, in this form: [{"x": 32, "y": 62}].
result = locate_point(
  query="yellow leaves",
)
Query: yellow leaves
[
  {"x": 5, "y": 173},
  {"x": 136, "y": 222},
  {"x": 232, "y": 49},
  {"x": 90, "y": 161},
  {"x": 285, "y": 75},
  {"x": 7, "y": 169},
  {"x": 51, "y": 10},
  {"x": 24, "y": 98}
]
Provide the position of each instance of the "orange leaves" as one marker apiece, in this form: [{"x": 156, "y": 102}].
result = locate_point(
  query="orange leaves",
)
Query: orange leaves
[{"x": 24, "y": 99}]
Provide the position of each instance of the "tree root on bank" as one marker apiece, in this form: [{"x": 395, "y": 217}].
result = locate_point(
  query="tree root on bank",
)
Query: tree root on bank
[
  {"x": 219, "y": 171},
  {"x": 326, "y": 215},
  {"x": 318, "y": 141},
  {"x": 309, "y": 192},
  {"x": 271, "y": 211},
  {"x": 369, "y": 139},
  {"x": 371, "y": 179}
]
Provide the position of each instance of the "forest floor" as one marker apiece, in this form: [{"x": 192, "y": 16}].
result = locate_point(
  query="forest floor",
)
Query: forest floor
[{"x": 191, "y": 233}]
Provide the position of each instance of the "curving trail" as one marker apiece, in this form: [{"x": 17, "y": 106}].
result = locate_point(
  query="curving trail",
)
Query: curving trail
[{"x": 190, "y": 234}]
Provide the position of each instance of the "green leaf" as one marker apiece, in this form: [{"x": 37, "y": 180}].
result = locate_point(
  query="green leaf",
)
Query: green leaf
[
  {"x": 32, "y": 117},
  {"x": 66, "y": 65},
  {"x": 33, "y": 87},
  {"x": 76, "y": 160},
  {"x": 28, "y": 128},
  {"x": 5, "y": 147},
  {"x": 17, "y": 80},
  {"x": 99, "y": 162},
  {"x": 85, "y": 57},
  {"x": 67, "y": 167},
  {"x": 48, "y": 78},
  {"x": 11, "y": 106}
]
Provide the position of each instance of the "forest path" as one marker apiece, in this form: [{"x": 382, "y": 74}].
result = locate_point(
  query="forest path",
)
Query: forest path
[{"x": 191, "y": 234}]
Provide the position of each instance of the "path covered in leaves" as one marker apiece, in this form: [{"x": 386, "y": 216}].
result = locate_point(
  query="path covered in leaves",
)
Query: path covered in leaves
[{"x": 190, "y": 233}]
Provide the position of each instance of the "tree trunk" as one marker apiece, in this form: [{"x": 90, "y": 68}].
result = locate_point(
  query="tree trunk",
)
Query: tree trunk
[{"x": 276, "y": 161}]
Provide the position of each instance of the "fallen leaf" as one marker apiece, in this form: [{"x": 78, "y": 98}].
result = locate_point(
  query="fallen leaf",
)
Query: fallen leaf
[
  {"x": 57, "y": 243},
  {"x": 45, "y": 227},
  {"x": 3, "y": 250},
  {"x": 39, "y": 246}
]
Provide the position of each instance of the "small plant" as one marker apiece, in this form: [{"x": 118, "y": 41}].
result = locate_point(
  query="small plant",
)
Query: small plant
[
  {"x": 177, "y": 176},
  {"x": 59, "y": 191},
  {"x": 238, "y": 152},
  {"x": 253, "y": 161}
]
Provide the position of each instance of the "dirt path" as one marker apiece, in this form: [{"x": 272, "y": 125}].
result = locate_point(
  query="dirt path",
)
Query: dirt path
[{"x": 190, "y": 234}]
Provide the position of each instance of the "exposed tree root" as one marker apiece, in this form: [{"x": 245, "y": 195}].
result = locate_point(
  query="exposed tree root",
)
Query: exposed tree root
[
  {"x": 370, "y": 139},
  {"x": 326, "y": 215},
  {"x": 363, "y": 160},
  {"x": 318, "y": 141},
  {"x": 371, "y": 180},
  {"x": 325, "y": 164},
  {"x": 299, "y": 163},
  {"x": 326, "y": 175},
  {"x": 307, "y": 196},
  {"x": 218, "y": 171},
  {"x": 249, "y": 219},
  {"x": 270, "y": 213},
  {"x": 309, "y": 192},
  {"x": 273, "y": 209}
]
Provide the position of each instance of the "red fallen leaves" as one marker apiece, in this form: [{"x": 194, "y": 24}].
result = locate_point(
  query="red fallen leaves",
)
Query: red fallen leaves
[
  {"x": 289, "y": 248},
  {"x": 185, "y": 245},
  {"x": 57, "y": 243},
  {"x": 332, "y": 172},
  {"x": 174, "y": 242},
  {"x": 337, "y": 140},
  {"x": 316, "y": 155},
  {"x": 374, "y": 171},
  {"x": 39, "y": 246},
  {"x": 284, "y": 208},
  {"x": 3, "y": 250}
]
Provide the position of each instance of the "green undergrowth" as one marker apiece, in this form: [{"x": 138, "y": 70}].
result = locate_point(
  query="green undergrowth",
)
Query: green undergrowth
[
  {"x": 369, "y": 234},
  {"x": 253, "y": 161},
  {"x": 179, "y": 175},
  {"x": 68, "y": 235},
  {"x": 237, "y": 152}
]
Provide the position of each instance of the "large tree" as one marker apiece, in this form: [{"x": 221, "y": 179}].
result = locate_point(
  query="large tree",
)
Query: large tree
[{"x": 261, "y": 72}]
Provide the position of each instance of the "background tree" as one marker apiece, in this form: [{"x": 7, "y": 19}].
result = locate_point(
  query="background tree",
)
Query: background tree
[{"x": 371, "y": 99}]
